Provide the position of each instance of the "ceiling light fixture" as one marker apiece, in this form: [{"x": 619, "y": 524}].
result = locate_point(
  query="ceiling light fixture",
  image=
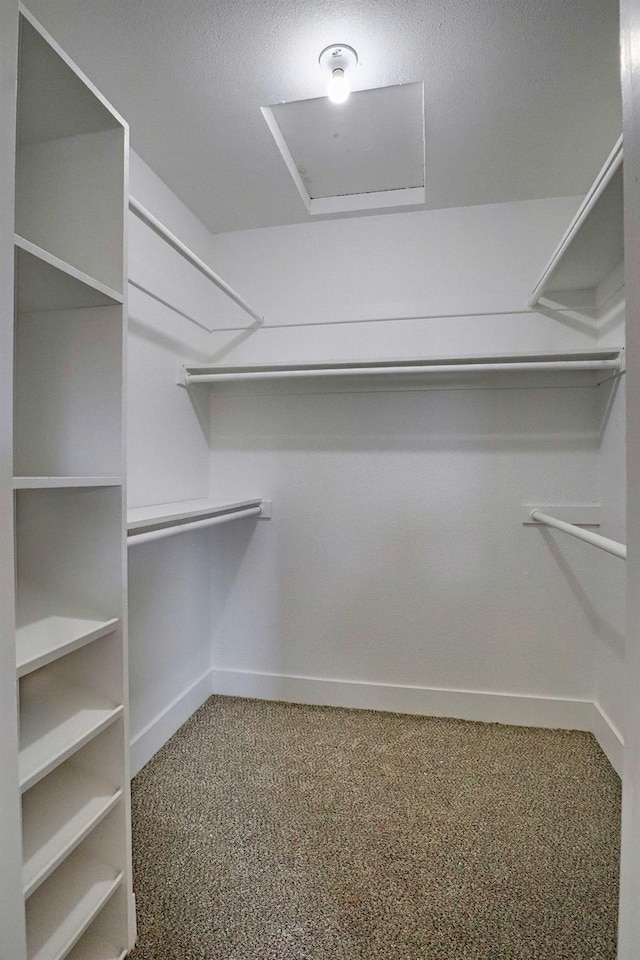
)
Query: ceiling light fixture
[{"x": 338, "y": 60}]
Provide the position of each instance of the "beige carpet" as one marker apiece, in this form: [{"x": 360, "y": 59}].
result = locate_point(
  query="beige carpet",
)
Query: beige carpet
[{"x": 270, "y": 831}]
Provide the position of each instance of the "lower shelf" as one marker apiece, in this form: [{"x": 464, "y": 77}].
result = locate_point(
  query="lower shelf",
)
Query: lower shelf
[
  {"x": 57, "y": 814},
  {"x": 56, "y": 719},
  {"x": 92, "y": 947},
  {"x": 64, "y": 906}
]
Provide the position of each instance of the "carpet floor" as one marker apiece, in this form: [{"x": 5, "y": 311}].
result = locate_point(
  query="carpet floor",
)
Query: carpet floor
[{"x": 273, "y": 831}]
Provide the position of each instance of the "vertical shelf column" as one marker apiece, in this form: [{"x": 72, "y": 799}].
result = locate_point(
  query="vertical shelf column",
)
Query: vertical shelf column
[
  {"x": 12, "y": 914},
  {"x": 69, "y": 658}
]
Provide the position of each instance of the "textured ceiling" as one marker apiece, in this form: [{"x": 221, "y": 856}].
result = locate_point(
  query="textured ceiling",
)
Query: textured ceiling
[{"x": 521, "y": 96}]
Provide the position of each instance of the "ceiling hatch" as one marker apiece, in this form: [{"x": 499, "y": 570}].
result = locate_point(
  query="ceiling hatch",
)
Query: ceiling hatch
[{"x": 364, "y": 154}]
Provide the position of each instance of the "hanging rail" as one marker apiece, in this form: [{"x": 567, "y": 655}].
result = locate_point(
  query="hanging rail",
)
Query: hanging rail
[
  {"x": 171, "y": 531},
  {"x": 603, "y": 543},
  {"x": 203, "y": 373},
  {"x": 189, "y": 255}
]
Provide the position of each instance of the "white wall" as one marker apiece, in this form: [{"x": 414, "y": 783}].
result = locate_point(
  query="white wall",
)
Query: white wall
[
  {"x": 466, "y": 274},
  {"x": 396, "y": 558},
  {"x": 168, "y": 459},
  {"x": 397, "y": 555}
]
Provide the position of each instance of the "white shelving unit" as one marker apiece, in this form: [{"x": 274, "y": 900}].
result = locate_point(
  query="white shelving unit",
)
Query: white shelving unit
[
  {"x": 69, "y": 495},
  {"x": 593, "y": 244}
]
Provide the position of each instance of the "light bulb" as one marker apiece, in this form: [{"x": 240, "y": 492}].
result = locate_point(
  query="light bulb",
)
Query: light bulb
[{"x": 338, "y": 90}]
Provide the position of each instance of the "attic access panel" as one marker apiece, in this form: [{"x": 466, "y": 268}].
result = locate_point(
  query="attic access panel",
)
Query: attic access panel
[{"x": 364, "y": 154}]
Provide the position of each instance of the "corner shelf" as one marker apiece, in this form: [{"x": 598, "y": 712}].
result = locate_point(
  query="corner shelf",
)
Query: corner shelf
[
  {"x": 593, "y": 244},
  {"x": 56, "y": 719},
  {"x": 45, "y": 282},
  {"x": 57, "y": 814},
  {"x": 64, "y": 906}
]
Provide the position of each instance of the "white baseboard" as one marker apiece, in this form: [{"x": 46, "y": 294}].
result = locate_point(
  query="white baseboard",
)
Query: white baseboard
[
  {"x": 609, "y": 738},
  {"x": 517, "y": 709},
  {"x": 156, "y": 733},
  {"x": 521, "y": 710}
]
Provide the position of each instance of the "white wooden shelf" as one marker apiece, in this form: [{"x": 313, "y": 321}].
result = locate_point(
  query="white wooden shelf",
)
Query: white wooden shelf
[
  {"x": 56, "y": 719},
  {"x": 593, "y": 244},
  {"x": 93, "y": 947},
  {"x": 45, "y": 282},
  {"x": 157, "y": 515},
  {"x": 599, "y": 363},
  {"x": 49, "y": 627},
  {"x": 57, "y": 814},
  {"x": 52, "y": 483},
  {"x": 64, "y": 906}
]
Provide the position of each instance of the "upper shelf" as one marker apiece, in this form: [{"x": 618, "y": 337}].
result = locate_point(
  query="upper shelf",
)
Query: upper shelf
[
  {"x": 594, "y": 241},
  {"x": 601, "y": 363},
  {"x": 45, "y": 282},
  {"x": 144, "y": 518},
  {"x": 56, "y": 98}
]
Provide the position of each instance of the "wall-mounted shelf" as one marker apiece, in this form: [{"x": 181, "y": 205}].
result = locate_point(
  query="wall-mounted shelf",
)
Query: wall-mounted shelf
[
  {"x": 56, "y": 719},
  {"x": 600, "y": 363},
  {"x": 57, "y": 814},
  {"x": 50, "y": 627},
  {"x": 61, "y": 909},
  {"x": 51, "y": 483},
  {"x": 45, "y": 282},
  {"x": 594, "y": 241},
  {"x": 165, "y": 514},
  {"x": 190, "y": 516}
]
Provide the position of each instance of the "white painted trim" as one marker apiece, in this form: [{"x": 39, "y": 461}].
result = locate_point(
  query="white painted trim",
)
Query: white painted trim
[
  {"x": 290, "y": 163},
  {"x": 155, "y": 734},
  {"x": 327, "y": 206},
  {"x": 376, "y": 200},
  {"x": 482, "y": 706},
  {"x": 478, "y": 705},
  {"x": 609, "y": 737},
  {"x": 566, "y": 714}
]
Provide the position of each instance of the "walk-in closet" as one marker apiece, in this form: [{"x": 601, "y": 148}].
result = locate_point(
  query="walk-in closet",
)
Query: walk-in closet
[{"x": 319, "y": 480}]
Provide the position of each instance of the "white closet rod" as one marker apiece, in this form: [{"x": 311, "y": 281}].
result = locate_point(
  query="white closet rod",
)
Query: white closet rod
[
  {"x": 171, "y": 306},
  {"x": 189, "y": 255},
  {"x": 471, "y": 367},
  {"x": 603, "y": 543},
  {"x": 171, "y": 531}
]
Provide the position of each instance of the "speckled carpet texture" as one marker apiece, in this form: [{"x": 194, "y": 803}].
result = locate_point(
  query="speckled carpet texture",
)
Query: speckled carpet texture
[{"x": 271, "y": 831}]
